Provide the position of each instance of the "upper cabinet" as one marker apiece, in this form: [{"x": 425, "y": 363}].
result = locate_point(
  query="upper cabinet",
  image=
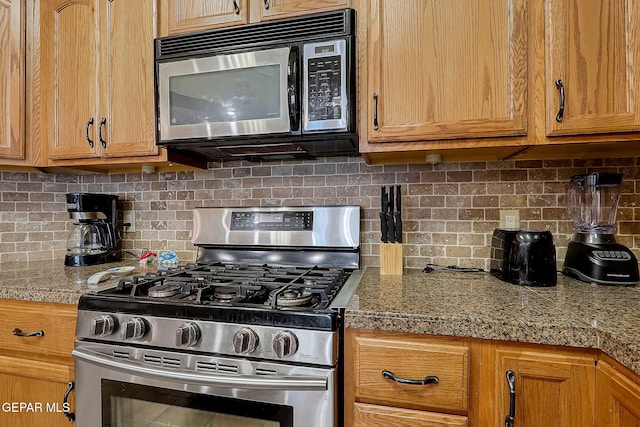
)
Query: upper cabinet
[
  {"x": 12, "y": 79},
  {"x": 96, "y": 81},
  {"x": 440, "y": 69},
  {"x": 193, "y": 15},
  {"x": 592, "y": 63},
  {"x": 497, "y": 79}
]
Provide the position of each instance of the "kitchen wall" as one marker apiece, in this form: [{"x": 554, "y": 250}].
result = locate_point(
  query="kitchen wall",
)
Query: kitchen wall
[{"x": 450, "y": 209}]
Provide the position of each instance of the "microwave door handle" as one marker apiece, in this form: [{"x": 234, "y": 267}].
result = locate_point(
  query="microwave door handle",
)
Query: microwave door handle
[{"x": 292, "y": 89}]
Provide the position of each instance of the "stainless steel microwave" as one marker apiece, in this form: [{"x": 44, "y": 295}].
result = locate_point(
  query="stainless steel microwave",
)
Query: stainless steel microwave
[{"x": 279, "y": 89}]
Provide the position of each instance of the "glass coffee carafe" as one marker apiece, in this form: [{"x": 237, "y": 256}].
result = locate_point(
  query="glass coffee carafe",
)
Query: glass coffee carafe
[
  {"x": 593, "y": 254},
  {"x": 88, "y": 238}
]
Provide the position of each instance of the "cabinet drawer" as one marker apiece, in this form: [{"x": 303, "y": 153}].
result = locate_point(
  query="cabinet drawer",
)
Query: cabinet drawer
[
  {"x": 58, "y": 321},
  {"x": 414, "y": 360},
  {"x": 384, "y": 416}
]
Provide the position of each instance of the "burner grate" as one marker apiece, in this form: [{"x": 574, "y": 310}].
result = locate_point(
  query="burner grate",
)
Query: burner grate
[{"x": 265, "y": 286}]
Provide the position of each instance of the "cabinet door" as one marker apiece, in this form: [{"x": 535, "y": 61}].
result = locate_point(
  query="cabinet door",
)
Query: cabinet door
[
  {"x": 262, "y": 10},
  {"x": 127, "y": 102},
  {"x": 12, "y": 36},
  {"x": 552, "y": 389},
  {"x": 593, "y": 48},
  {"x": 38, "y": 384},
  {"x": 194, "y": 15},
  {"x": 442, "y": 69},
  {"x": 618, "y": 398},
  {"x": 69, "y": 77}
]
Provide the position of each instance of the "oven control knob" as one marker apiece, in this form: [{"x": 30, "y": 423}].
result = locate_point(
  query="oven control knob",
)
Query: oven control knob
[
  {"x": 285, "y": 344},
  {"x": 102, "y": 325},
  {"x": 133, "y": 329},
  {"x": 245, "y": 341},
  {"x": 187, "y": 335}
]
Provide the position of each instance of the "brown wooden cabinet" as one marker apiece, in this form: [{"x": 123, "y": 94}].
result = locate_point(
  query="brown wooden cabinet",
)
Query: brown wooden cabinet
[
  {"x": 378, "y": 366},
  {"x": 12, "y": 79},
  {"x": 439, "y": 75},
  {"x": 96, "y": 97},
  {"x": 591, "y": 48},
  {"x": 617, "y": 394},
  {"x": 181, "y": 16},
  {"x": 35, "y": 370},
  {"x": 477, "y": 80},
  {"x": 554, "y": 386}
]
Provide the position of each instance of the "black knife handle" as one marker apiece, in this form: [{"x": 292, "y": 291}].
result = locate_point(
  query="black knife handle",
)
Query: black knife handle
[
  {"x": 391, "y": 228},
  {"x": 383, "y": 227},
  {"x": 398, "y": 227}
]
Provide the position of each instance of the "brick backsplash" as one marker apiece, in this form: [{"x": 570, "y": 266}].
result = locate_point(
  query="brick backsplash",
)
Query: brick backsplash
[{"x": 449, "y": 209}]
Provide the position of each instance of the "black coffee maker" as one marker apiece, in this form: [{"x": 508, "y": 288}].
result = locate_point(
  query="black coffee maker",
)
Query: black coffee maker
[{"x": 93, "y": 237}]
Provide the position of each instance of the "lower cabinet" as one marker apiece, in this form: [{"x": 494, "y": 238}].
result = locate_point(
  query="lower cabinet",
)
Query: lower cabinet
[
  {"x": 389, "y": 381},
  {"x": 618, "y": 396},
  {"x": 36, "y": 367}
]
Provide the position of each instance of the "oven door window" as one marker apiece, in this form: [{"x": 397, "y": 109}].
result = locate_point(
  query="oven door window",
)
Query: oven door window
[{"x": 133, "y": 405}]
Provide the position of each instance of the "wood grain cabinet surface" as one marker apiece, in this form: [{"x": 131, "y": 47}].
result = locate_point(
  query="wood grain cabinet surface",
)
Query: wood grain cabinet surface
[
  {"x": 554, "y": 386},
  {"x": 618, "y": 396},
  {"x": 36, "y": 369},
  {"x": 181, "y": 16},
  {"x": 491, "y": 80},
  {"x": 96, "y": 97},
  {"x": 12, "y": 79}
]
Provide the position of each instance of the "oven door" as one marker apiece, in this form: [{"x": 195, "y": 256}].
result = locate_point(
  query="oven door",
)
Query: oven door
[
  {"x": 128, "y": 386},
  {"x": 238, "y": 94}
]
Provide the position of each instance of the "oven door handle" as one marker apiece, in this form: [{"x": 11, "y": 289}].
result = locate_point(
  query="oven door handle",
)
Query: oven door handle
[{"x": 262, "y": 382}]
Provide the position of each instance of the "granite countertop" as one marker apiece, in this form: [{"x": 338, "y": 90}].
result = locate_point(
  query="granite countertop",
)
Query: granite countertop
[
  {"x": 478, "y": 305},
  {"x": 475, "y": 305},
  {"x": 52, "y": 281}
]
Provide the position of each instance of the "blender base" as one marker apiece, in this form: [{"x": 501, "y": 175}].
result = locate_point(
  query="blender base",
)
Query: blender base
[{"x": 601, "y": 263}]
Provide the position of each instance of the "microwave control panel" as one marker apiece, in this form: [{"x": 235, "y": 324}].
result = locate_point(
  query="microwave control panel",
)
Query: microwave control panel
[{"x": 324, "y": 103}]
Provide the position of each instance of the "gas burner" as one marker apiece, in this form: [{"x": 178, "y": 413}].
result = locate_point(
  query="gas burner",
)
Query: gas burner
[
  {"x": 290, "y": 297},
  {"x": 225, "y": 293},
  {"x": 164, "y": 291}
]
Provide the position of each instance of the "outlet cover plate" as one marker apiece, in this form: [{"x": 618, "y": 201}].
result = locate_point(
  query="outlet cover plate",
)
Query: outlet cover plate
[
  {"x": 129, "y": 217},
  {"x": 510, "y": 218}
]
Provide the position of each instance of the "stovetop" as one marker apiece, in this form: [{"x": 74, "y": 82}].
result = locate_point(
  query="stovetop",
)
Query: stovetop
[
  {"x": 220, "y": 284},
  {"x": 308, "y": 297}
]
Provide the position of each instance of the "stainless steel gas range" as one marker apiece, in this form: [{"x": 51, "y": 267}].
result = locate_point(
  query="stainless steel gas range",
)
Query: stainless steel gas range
[{"x": 251, "y": 334}]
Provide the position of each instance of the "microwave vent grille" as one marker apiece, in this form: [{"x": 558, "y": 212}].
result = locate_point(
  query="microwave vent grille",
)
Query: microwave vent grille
[{"x": 324, "y": 25}]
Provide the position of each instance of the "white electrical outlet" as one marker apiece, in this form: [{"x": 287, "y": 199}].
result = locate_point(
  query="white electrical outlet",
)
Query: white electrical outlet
[
  {"x": 129, "y": 217},
  {"x": 509, "y": 219}
]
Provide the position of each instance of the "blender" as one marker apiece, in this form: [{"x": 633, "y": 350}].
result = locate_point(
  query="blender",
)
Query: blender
[
  {"x": 92, "y": 237},
  {"x": 594, "y": 255}
]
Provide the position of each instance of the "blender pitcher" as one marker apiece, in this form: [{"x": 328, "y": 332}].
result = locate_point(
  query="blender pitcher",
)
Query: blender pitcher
[
  {"x": 592, "y": 202},
  {"x": 593, "y": 254}
]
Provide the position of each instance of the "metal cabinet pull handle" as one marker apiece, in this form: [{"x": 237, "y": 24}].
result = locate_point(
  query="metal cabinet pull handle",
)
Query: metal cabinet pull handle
[
  {"x": 18, "y": 332},
  {"x": 266, "y": 4},
  {"x": 236, "y": 9},
  {"x": 511, "y": 381},
  {"x": 65, "y": 403},
  {"x": 375, "y": 112},
  {"x": 431, "y": 379},
  {"x": 560, "y": 87},
  {"x": 86, "y": 131},
  {"x": 102, "y": 141}
]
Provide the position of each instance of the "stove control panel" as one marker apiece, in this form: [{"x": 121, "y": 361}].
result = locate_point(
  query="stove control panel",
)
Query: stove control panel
[
  {"x": 210, "y": 337},
  {"x": 272, "y": 221}
]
